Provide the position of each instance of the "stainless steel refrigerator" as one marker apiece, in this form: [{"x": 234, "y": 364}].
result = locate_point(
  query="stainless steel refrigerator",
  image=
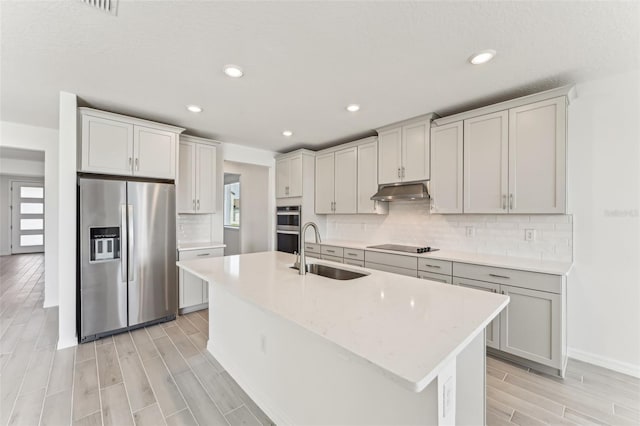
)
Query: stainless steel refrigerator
[{"x": 126, "y": 255}]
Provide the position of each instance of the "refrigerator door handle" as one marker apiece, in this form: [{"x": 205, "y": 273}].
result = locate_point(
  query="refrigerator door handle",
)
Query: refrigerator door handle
[
  {"x": 130, "y": 241},
  {"x": 124, "y": 249}
]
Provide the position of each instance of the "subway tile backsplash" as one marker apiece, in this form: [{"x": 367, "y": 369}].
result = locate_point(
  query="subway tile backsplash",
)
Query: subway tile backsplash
[
  {"x": 194, "y": 228},
  {"x": 412, "y": 223}
]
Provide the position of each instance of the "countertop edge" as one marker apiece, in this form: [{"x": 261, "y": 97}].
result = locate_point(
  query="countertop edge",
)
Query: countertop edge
[{"x": 200, "y": 246}]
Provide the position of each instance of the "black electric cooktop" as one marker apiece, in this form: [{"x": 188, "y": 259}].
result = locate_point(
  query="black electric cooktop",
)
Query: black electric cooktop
[{"x": 406, "y": 249}]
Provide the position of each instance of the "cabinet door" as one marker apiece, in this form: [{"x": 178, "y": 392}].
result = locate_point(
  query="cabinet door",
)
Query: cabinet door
[
  {"x": 537, "y": 157},
  {"x": 346, "y": 181},
  {"x": 446, "y": 168},
  {"x": 367, "y": 177},
  {"x": 295, "y": 176},
  {"x": 154, "y": 153},
  {"x": 486, "y": 163},
  {"x": 389, "y": 156},
  {"x": 282, "y": 178},
  {"x": 492, "y": 331},
  {"x": 325, "y": 183},
  {"x": 531, "y": 327},
  {"x": 185, "y": 186},
  {"x": 415, "y": 152},
  {"x": 190, "y": 290},
  {"x": 205, "y": 178},
  {"x": 107, "y": 146}
]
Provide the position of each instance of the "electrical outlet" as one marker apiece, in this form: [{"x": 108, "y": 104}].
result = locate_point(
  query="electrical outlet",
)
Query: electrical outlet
[
  {"x": 529, "y": 234},
  {"x": 470, "y": 231}
]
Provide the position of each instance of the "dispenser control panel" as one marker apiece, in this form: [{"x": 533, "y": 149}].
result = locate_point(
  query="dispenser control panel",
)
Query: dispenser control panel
[{"x": 104, "y": 243}]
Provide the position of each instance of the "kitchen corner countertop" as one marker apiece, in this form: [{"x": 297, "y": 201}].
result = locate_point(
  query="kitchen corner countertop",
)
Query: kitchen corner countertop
[
  {"x": 520, "y": 263},
  {"x": 407, "y": 327},
  {"x": 199, "y": 246}
]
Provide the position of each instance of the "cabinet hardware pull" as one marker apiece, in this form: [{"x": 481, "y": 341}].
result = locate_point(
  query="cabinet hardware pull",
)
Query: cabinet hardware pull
[
  {"x": 399, "y": 172},
  {"x": 433, "y": 266},
  {"x": 130, "y": 160},
  {"x": 510, "y": 201},
  {"x": 498, "y": 276},
  {"x": 494, "y": 290},
  {"x": 198, "y": 205},
  {"x": 504, "y": 201},
  {"x": 137, "y": 164},
  {"x": 351, "y": 254},
  {"x": 331, "y": 251},
  {"x": 203, "y": 254},
  {"x": 502, "y": 292},
  {"x": 194, "y": 204},
  {"x": 403, "y": 174}
]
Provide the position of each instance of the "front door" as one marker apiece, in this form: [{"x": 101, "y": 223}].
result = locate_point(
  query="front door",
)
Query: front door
[{"x": 27, "y": 217}]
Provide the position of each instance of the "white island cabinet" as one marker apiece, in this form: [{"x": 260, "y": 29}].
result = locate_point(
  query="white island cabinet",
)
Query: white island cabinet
[{"x": 379, "y": 349}]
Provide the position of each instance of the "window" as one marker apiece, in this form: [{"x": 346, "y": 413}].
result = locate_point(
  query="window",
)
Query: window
[{"x": 232, "y": 204}]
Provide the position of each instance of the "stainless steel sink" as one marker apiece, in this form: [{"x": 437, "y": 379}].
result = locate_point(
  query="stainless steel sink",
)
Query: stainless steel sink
[{"x": 331, "y": 272}]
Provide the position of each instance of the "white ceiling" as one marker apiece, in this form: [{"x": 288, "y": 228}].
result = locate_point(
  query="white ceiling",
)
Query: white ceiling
[{"x": 303, "y": 61}]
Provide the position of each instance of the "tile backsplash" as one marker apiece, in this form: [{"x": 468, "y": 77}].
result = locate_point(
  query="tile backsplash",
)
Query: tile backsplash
[
  {"x": 194, "y": 228},
  {"x": 412, "y": 223}
]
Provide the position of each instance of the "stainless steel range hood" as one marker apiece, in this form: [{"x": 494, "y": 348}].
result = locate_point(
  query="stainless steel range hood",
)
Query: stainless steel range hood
[{"x": 402, "y": 192}]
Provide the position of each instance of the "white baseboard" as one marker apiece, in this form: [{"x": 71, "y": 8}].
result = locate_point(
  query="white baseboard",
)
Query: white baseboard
[{"x": 601, "y": 361}]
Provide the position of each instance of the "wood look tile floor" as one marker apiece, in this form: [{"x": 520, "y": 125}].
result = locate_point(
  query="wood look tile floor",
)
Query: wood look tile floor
[{"x": 163, "y": 375}]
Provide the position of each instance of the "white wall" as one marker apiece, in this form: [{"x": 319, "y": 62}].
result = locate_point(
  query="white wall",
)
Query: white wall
[
  {"x": 17, "y": 167},
  {"x": 255, "y": 223},
  {"x": 5, "y": 210},
  {"x": 604, "y": 197},
  {"x": 66, "y": 244},
  {"x": 42, "y": 139}
]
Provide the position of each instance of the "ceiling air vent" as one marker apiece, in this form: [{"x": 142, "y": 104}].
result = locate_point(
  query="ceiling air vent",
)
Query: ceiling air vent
[{"x": 108, "y": 6}]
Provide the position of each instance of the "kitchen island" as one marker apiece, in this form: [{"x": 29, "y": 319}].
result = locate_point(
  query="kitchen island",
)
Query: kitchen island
[{"x": 380, "y": 349}]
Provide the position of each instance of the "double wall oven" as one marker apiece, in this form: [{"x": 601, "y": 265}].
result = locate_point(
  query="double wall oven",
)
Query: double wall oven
[{"x": 288, "y": 228}]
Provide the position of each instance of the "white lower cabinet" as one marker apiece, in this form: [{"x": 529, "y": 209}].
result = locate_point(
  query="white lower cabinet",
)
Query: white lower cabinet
[
  {"x": 532, "y": 326},
  {"x": 193, "y": 292}
]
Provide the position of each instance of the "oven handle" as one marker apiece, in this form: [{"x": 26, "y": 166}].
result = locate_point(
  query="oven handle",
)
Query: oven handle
[
  {"x": 288, "y": 213},
  {"x": 288, "y": 232}
]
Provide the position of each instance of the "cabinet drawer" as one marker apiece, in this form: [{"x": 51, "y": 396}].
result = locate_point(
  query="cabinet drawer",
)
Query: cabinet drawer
[
  {"x": 434, "y": 277},
  {"x": 359, "y": 263},
  {"x": 393, "y": 269},
  {"x": 332, "y": 251},
  {"x": 312, "y": 248},
  {"x": 397, "y": 260},
  {"x": 354, "y": 254},
  {"x": 197, "y": 254},
  {"x": 312, "y": 255},
  {"x": 332, "y": 258},
  {"x": 513, "y": 277},
  {"x": 436, "y": 266}
]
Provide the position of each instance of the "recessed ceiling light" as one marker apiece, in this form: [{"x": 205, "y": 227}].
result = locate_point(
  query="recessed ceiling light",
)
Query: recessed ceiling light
[
  {"x": 353, "y": 107},
  {"x": 233, "y": 71},
  {"x": 287, "y": 133},
  {"x": 194, "y": 108},
  {"x": 482, "y": 57}
]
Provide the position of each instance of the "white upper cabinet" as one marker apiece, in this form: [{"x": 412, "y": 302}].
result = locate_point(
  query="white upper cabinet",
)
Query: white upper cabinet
[
  {"x": 537, "y": 157},
  {"x": 346, "y": 181},
  {"x": 325, "y": 183},
  {"x": 119, "y": 145},
  {"x": 389, "y": 156},
  {"x": 289, "y": 176},
  {"x": 196, "y": 187},
  {"x": 446, "y": 168},
  {"x": 486, "y": 155},
  {"x": 154, "y": 153},
  {"x": 336, "y": 182},
  {"x": 368, "y": 180},
  {"x": 403, "y": 151},
  {"x": 415, "y": 151}
]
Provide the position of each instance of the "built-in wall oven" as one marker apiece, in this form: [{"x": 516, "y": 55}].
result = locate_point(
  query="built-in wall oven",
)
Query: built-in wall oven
[{"x": 288, "y": 228}]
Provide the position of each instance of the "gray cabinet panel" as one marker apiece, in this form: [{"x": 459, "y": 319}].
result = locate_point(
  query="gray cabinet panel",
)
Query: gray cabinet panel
[
  {"x": 435, "y": 266},
  {"x": 434, "y": 277},
  {"x": 493, "y": 329},
  {"x": 396, "y": 260},
  {"x": 332, "y": 251},
  {"x": 511, "y": 277},
  {"x": 332, "y": 258},
  {"x": 531, "y": 326},
  {"x": 353, "y": 254},
  {"x": 392, "y": 269}
]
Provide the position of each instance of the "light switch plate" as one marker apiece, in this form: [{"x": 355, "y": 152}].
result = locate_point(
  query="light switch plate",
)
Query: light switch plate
[
  {"x": 529, "y": 234},
  {"x": 470, "y": 232}
]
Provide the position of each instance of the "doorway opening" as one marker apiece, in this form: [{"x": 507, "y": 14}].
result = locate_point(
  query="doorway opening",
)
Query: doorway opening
[{"x": 232, "y": 214}]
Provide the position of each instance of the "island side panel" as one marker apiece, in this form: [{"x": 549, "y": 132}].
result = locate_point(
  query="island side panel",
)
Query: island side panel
[
  {"x": 297, "y": 377},
  {"x": 470, "y": 383}
]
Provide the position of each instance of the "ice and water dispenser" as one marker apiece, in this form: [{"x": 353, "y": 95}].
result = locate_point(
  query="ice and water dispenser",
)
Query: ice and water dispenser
[{"x": 105, "y": 243}]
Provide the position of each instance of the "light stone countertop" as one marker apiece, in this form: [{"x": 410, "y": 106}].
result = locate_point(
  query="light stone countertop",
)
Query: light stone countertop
[
  {"x": 509, "y": 262},
  {"x": 407, "y": 327},
  {"x": 199, "y": 246}
]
